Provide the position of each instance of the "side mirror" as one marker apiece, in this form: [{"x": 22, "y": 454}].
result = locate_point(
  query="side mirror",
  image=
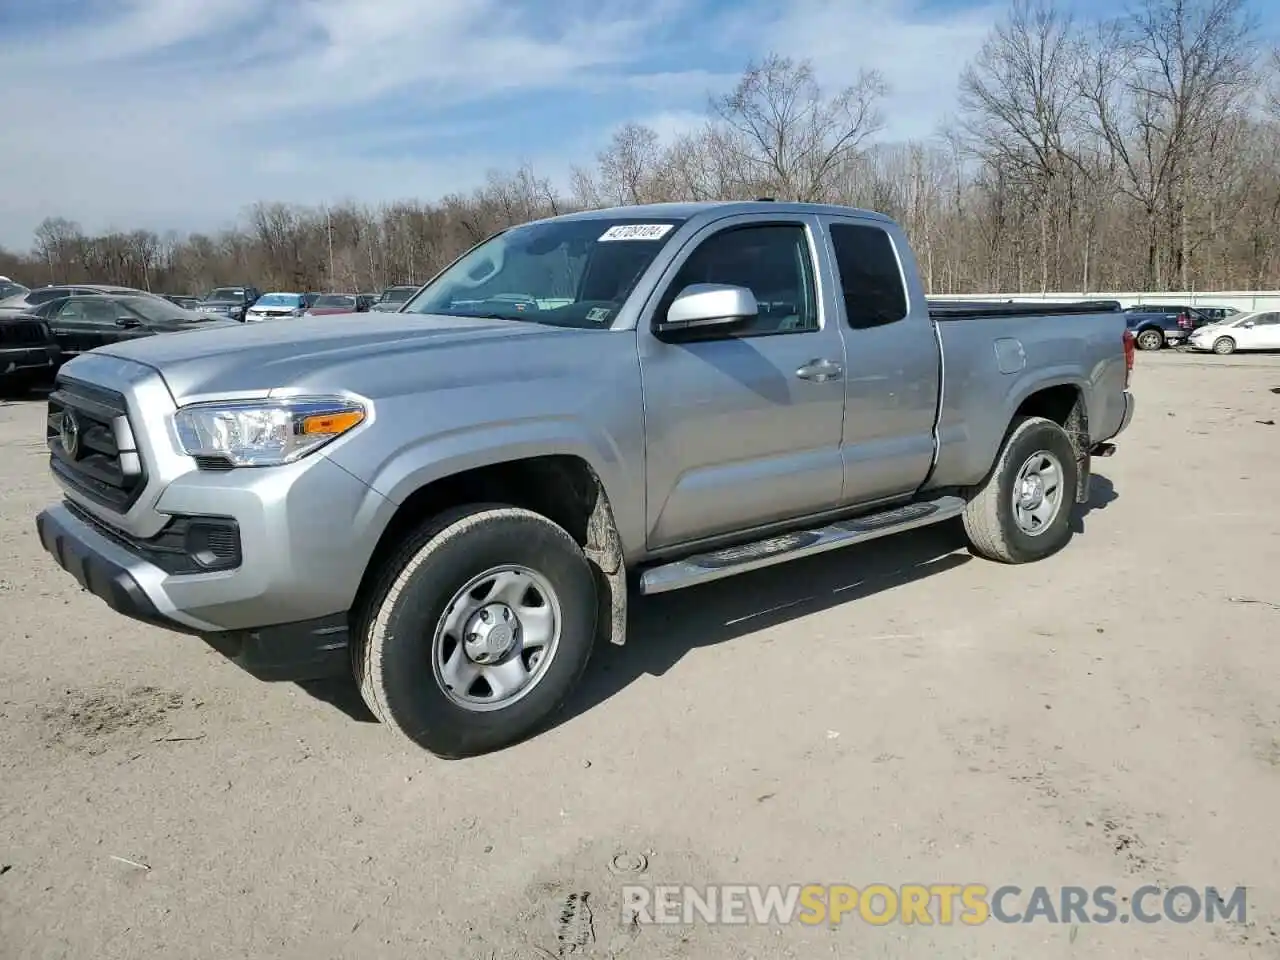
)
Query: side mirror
[
  {"x": 703, "y": 306},
  {"x": 127, "y": 322},
  {"x": 1247, "y": 324}
]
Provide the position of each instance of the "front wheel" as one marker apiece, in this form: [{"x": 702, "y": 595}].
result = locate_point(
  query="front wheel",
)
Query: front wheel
[
  {"x": 1150, "y": 340},
  {"x": 1223, "y": 346},
  {"x": 1022, "y": 512},
  {"x": 480, "y": 628}
]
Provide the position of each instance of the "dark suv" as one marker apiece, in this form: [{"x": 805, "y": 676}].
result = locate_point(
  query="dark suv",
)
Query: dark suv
[{"x": 229, "y": 301}]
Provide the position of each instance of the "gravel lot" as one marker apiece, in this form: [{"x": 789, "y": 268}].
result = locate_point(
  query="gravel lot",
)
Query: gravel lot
[{"x": 895, "y": 713}]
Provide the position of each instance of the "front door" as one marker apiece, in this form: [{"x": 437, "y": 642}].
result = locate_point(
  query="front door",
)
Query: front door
[{"x": 744, "y": 429}]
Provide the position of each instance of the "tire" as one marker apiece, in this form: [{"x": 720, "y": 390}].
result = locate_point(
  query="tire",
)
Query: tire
[
  {"x": 400, "y": 646},
  {"x": 991, "y": 518},
  {"x": 1223, "y": 346},
  {"x": 1150, "y": 340}
]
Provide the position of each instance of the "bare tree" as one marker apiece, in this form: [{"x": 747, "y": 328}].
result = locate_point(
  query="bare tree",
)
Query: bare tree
[
  {"x": 1098, "y": 157},
  {"x": 1155, "y": 82},
  {"x": 1018, "y": 100},
  {"x": 789, "y": 133}
]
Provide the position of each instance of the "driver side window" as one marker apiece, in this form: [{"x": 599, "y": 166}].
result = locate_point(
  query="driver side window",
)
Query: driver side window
[{"x": 770, "y": 260}]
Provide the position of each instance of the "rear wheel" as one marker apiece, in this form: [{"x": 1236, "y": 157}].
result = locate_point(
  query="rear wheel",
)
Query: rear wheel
[
  {"x": 1223, "y": 346},
  {"x": 1022, "y": 512},
  {"x": 481, "y": 626},
  {"x": 1150, "y": 340}
]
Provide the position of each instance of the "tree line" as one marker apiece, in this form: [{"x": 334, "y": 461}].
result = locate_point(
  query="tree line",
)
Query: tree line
[{"x": 1137, "y": 153}]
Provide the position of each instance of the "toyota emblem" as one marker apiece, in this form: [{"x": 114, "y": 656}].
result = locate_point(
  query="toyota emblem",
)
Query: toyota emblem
[{"x": 70, "y": 434}]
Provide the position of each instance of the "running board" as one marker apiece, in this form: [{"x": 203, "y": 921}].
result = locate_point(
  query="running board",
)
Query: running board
[{"x": 704, "y": 567}]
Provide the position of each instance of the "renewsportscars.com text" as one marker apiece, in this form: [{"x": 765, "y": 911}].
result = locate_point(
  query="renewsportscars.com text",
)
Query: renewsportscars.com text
[{"x": 969, "y": 904}]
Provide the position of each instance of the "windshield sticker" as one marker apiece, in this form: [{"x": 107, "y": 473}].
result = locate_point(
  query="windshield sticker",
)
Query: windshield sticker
[
  {"x": 598, "y": 314},
  {"x": 636, "y": 231}
]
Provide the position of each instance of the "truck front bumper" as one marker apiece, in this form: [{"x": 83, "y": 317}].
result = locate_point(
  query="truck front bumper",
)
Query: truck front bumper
[{"x": 107, "y": 568}]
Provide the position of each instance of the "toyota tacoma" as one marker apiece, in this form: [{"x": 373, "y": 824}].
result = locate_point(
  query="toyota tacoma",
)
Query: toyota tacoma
[{"x": 455, "y": 501}]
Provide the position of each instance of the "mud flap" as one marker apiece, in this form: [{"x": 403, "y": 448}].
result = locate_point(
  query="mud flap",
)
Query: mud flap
[
  {"x": 1084, "y": 474},
  {"x": 1077, "y": 427},
  {"x": 604, "y": 551}
]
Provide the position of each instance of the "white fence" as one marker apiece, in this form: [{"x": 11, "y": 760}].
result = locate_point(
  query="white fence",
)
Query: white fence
[{"x": 1247, "y": 300}]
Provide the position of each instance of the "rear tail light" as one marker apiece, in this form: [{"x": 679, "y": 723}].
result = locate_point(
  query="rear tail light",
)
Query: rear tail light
[
  {"x": 1184, "y": 321},
  {"x": 1128, "y": 357}
]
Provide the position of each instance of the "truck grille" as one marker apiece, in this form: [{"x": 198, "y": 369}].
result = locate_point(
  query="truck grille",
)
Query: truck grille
[
  {"x": 22, "y": 333},
  {"x": 91, "y": 446}
]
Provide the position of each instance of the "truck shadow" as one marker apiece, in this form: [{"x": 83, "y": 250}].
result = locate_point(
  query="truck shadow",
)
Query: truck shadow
[
  {"x": 1101, "y": 493},
  {"x": 662, "y": 629}
]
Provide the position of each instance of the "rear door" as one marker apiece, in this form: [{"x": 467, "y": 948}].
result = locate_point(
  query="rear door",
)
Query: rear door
[
  {"x": 1264, "y": 334},
  {"x": 743, "y": 427},
  {"x": 893, "y": 381}
]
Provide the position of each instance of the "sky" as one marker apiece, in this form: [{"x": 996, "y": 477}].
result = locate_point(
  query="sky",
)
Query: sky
[{"x": 179, "y": 114}]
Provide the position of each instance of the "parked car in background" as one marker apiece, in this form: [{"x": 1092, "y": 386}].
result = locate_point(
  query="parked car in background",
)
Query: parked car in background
[
  {"x": 81, "y": 323},
  {"x": 9, "y": 288},
  {"x": 28, "y": 351},
  {"x": 1199, "y": 316},
  {"x": 277, "y": 305},
  {"x": 1218, "y": 314},
  {"x": 1251, "y": 331},
  {"x": 393, "y": 298},
  {"x": 233, "y": 302},
  {"x": 183, "y": 300},
  {"x": 330, "y": 303},
  {"x": 1153, "y": 329},
  {"x": 23, "y": 302}
]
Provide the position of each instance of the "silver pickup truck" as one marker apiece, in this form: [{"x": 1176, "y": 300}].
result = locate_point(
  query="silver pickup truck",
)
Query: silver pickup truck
[{"x": 454, "y": 501}]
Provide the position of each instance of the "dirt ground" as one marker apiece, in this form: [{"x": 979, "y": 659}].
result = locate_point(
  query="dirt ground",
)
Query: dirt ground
[{"x": 895, "y": 713}]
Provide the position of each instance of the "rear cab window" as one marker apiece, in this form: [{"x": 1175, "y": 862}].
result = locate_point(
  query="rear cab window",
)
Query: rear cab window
[{"x": 871, "y": 282}]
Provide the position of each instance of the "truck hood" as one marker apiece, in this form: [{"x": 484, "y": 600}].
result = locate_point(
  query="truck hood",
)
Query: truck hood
[{"x": 339, "y": 352}]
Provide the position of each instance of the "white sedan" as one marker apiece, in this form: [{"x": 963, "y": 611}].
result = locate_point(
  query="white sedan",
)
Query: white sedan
[{"x": 1252, "y": 331}]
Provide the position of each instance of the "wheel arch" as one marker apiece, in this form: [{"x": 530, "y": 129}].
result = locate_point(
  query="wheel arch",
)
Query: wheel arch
[{"x": 564, "y": 488}]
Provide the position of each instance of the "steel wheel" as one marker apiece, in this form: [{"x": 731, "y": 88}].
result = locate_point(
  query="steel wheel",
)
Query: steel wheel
[
  {"x": 1037, "y": 493},
  {"x": 1150, "y": 340},
  {"x": 496, "y": 638}
]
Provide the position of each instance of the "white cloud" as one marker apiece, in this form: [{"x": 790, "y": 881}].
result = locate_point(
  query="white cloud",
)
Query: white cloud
[
  {"x": 179, "y": 113},
  {"x": 920, "y": 52},
  {"x": 174, "y": 112}
]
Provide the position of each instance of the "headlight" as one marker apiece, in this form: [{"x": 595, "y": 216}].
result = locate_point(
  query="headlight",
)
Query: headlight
[{"x": 264, "y": 433}]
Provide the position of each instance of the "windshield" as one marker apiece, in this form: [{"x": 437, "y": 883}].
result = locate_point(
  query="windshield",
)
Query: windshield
[
  {"x": 569, "y": 273},
  {"x": 226, "y": 293},
  {"x": 9, "y": 289},
  {"x": 291, "y": 300},
  {"x": 334, "y": 300}
]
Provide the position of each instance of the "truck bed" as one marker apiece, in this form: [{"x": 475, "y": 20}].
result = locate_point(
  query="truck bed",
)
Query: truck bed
[{"x": 1007, "y": 351}]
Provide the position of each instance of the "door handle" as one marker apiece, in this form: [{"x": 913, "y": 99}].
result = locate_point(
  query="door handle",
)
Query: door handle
[{"x": 820, "y": 370}]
